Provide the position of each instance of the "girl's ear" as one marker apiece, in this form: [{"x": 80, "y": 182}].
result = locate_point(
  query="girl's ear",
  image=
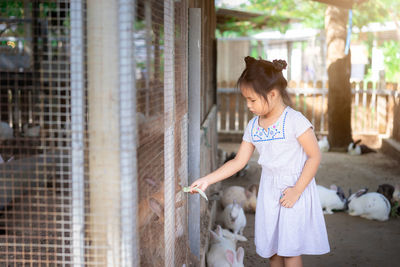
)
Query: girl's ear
[{"x": 273, "y": 93}]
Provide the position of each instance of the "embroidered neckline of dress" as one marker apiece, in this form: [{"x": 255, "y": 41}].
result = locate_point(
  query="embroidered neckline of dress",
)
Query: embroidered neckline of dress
[
  {"x": 274, "y": 123},
  {"x": 275, "y": 131}
]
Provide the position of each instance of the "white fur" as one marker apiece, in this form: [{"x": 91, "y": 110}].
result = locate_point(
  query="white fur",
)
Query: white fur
[
  {"x": 330, "y": 200},
  {"x": 226, "y": 237},
  {"x": 353, "y": 151},
  {"x": 372, "y": 206},
  {"x": 231, "y": 238},
  {"x": 323, "y": 144},
  {"x": 234, "y": 218},
  {"x": 219, "y": 256},
  {"x": 222, "y": 249},
  {"x": 247, "y": 199}
]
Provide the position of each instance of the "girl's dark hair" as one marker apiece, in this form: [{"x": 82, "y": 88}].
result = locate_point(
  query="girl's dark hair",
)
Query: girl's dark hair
[{"x": 263, "y": 76}]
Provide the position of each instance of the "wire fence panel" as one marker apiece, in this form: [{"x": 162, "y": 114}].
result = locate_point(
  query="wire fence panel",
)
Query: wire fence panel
[
  {"x": 150, "y": 98},
  {"x": 180, "y": 131},
  {"x": 161, "y": 71},
  {"x": 89, "y": 104},
  {"x": 35, "y": 211}
]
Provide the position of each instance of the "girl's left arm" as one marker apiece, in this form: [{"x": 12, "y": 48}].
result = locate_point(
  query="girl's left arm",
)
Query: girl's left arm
[{"x": 310, "y": 146}]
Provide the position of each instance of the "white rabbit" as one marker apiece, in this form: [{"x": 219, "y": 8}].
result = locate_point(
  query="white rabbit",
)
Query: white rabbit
[
  {"x": 226, "y": 238},
  {"x": 234, "y": 218},
  {"x": 219, "y": 256},
  {"x": 372, "y": 206},
  {"x": 396, "y": 193},
  {"x": 223, "y": 247},
  {"x": 323, "y": 144},
  {"x": 355, "y": 149},
  {"x": 247, "y": 198},
  {"x": 332, "y": 198}
]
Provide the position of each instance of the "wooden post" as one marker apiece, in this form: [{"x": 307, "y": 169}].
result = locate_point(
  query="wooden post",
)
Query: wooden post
[
  {"x": 325, "y": 105},
  {"x": 355, "y": 121},
  {"x": 103, "y": 108},
  {"x": 319, "y": 108},
  {"x": 370, "y": 111},
  {"x": 381, "y": 102},
  {"x": 391, "y": 106},
  {"x": 353, "y": 107},
  {"x": 389, "y": 109},
  {"x": 289, "y": 47},
  {"x": 309, "y": 103}
]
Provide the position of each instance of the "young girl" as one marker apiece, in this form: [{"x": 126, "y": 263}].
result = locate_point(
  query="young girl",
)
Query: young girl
[{"x": 289, "y": 221}]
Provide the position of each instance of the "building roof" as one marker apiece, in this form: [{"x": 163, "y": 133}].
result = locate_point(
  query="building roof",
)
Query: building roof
[
  {"x": 229, "y": 19},
  {"x": 228, "y": 15}
]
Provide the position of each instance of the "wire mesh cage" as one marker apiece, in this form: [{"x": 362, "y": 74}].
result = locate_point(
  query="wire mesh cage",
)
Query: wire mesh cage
[
  {"x": 35, "y": 190},
  {"x": 93, "y": 109}
]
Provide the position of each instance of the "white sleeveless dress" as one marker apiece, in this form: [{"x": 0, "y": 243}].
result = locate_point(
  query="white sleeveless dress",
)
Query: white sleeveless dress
[{"x": 279, "y": 230}]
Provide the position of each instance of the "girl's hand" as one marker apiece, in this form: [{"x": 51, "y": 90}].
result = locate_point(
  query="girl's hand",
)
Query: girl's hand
[
  {"x": 289, "y": 197},
  {"x": 201, "y": 183}
]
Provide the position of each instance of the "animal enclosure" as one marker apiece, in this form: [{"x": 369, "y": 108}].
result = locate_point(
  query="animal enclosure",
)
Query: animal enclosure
[{"x": 94, "y": 94}]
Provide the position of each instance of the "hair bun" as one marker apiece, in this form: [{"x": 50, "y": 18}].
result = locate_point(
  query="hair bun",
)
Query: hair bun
[
  {"x": 249, "y": 60},
  {"x": 279, "y": 64}
]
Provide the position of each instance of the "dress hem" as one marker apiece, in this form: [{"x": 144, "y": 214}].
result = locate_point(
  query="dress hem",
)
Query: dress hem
[{"x": 294, "y": 254}]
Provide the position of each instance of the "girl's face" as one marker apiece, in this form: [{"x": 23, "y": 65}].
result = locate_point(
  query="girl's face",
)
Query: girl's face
[{"x": 255, "y": 103}]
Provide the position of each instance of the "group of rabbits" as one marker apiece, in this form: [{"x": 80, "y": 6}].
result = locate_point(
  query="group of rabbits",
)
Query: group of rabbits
[
  {"x": 235, "y": 200},
  {"x": 354, "y": 148},
  {"x": 370, "y": 205}
]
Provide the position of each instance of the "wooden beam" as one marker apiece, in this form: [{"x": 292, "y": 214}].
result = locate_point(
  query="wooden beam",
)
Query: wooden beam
[
  {"x": 229, "y": 19},
  {"x": 226, "y": 15},
  {"x": 348, "y": 4}
]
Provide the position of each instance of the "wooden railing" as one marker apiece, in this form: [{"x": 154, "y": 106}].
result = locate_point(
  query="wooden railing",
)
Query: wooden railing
[{"x": 372, "y": 107}]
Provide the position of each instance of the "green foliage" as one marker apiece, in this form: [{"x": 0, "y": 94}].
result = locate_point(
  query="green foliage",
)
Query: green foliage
[
  {"x": 368, "y": 12},
  {"x": 311, "y": 14},
  {"x": 393, "y": 211},
  {"x": 391, "y": 52},
  {"x": 11, "y": 8},
  {"x": 47, "y": 8},
  {"x": 15, "y": 8},
  {"x": 236, "y": 29},
  {"x": 375, "y": 11}
]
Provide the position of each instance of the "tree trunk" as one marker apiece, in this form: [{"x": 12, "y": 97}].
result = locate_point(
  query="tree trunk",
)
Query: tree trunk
[{"x": 339, "y": 67}]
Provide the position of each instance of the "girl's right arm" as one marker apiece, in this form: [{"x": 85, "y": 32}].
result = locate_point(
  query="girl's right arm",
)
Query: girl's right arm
[{"x": 231, "y": 167}]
